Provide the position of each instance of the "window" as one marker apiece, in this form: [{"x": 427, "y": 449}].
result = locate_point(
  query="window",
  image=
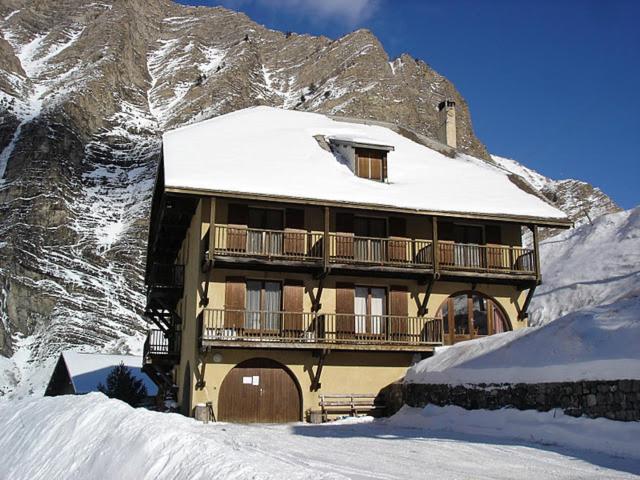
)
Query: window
[
  {"x": 264, "y": 236},
  {"x": 368, "y": 243},
  {"x": 370, "y": 307},
  {"x": 371, "y": 164},
  {"x": 471, "y": 314},
  {"x": 263, "y": 305}
]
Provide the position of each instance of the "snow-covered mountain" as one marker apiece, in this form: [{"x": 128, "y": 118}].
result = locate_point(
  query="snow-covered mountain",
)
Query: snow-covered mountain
[
  {"x": 581, "y": 201},
  {"x": 85, "y": 91}
]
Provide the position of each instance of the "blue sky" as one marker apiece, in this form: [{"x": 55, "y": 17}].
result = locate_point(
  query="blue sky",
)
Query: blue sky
[{"x": 553, "y": 84}]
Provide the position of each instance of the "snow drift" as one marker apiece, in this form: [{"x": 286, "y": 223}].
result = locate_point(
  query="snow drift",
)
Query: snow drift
[
  {"x": 591, "y": 271},
  {"x": 600, "y": 343},
  {"x": 588, "y": 266},
  {"x": 92, "y": 437},
  {"x": 547, "y": 428}
]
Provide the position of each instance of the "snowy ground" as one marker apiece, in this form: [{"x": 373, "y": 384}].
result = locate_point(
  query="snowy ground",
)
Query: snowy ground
[{"x": 93, "y": 437}]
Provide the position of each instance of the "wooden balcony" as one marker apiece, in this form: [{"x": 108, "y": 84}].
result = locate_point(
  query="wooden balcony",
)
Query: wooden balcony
[
  {"x": 357, "y": 252},
  {"x": 292, "y": 245},
  {"x": 159, "y": 347},
  {"x": 458, "y": 257},
  {"x": 278, "y": 329},
  {"x": 392, "y": 252}
]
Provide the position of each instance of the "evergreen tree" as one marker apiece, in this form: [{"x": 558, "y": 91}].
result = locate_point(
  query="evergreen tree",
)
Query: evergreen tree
[{"x": 121, "y": 384}]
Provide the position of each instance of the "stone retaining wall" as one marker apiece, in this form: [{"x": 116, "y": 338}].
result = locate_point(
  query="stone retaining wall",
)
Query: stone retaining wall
[{"x": 616, "y": 399}]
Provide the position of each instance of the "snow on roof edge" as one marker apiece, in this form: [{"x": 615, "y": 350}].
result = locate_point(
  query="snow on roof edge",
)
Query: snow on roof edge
[{"x": 236, "y": 136}]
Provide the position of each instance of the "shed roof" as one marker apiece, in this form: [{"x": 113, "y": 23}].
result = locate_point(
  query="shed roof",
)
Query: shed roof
[{"x": 87, "y": 370}]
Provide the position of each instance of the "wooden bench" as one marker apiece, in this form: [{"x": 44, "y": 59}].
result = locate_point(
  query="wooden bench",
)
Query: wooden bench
[{"x": 352, "y": 404}]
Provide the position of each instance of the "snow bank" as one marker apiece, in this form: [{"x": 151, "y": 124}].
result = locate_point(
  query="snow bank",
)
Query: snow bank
[
  {"x": 264, "y": 150},
  {"x": 588, "y": 266},
  {"x": 593, "y": 344},
  {"x": 90, "y": 436},
  {"x": 547, "y": 428}
]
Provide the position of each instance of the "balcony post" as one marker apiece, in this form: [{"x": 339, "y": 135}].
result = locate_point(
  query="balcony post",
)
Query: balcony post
[
  {"x": 325, "y": 240},
  {"x": 436, "y": 249},
  {"x": 536, "y": 250},
  {"x": 212, "y": 228}
]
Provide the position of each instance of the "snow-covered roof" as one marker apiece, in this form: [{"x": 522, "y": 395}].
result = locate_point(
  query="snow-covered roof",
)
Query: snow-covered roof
[
  {"x": 87, "y": 370},
  {"x": 273, "y": 152}
]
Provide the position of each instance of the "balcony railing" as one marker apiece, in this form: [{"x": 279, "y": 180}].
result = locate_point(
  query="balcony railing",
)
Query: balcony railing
[
  {"x": 219, "y": 325},
  {"x": 486, "y": 258},
  {"x": 276, "y": 244},
  {"x": 345, "y": 248},
  {"x": 158, "y": 345},
  {"x": 167, "y": 276}
]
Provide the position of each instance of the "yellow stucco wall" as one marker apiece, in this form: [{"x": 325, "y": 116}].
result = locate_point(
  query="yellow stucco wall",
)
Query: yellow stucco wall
[{"x": 343, "y": 372}]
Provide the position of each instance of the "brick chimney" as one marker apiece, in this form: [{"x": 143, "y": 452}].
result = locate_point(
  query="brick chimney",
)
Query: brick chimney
[{"x": 447, "y": 123}]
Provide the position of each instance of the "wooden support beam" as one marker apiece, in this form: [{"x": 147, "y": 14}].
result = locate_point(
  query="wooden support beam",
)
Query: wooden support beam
[
  {"x": 536, "y": 250},
  {"x": 423, "y": 309},
  {"x": 212, "y": 228},
  {"x": 325, "y": 240},
  {"x": 315, "y": 299},
  {"x": 523, "y": 314},
  {"x": 315, "y": 384},
  {"x": 435, "y": 249}
]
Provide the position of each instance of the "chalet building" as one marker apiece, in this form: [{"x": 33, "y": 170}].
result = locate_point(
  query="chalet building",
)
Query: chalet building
[
  {"x": 77, "y": 373},
  {"x": 295, "y": 257}
]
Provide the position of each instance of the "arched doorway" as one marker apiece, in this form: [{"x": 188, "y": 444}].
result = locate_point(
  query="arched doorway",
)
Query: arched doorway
[
  {"x": 471, "y": 314},
  {"x": 259, "y": 390}
]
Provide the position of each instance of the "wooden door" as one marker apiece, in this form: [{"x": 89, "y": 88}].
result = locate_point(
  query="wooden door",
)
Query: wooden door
[
  {"x": 344, "y": 236},
  {"x": 397, "y": 247},
  {"x": 259, "y": 390},
  {"x": 238, "y": 218},
  {"x": 345, "y": 320},
  {"x": 399, "y": 311},
  {"x": 234, "y": 302},
  {"x": 294, "y": 235},
  {"x": 292, "y": 300}
]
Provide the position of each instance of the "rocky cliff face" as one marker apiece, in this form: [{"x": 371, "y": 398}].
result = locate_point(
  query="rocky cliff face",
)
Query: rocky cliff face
[
  {"x": 581, "y": 201},
  {"x": 85, "y": 91}
]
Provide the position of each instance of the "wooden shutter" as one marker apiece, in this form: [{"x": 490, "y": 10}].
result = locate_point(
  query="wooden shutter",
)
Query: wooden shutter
[
  {"x": 362, "y": 168},
  {"x": 376, "y": 168},
  {"x": 345, "y": 301},
  {"x": 497, "y": 257},
  {"x": 234, "y": 299},
  {"x": 398, "y": 307},
  {"x": 237, "y": 219},
  {"x": 398, "y": 249},
  {"x": 294, "y": 241},
  {"x": 292, "y": 302},
  {"x": 344, "y": 237}
]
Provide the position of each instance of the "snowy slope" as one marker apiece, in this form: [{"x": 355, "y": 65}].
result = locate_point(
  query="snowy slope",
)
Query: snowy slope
[
  {"x": 587, "y": 311},
  {"x": 599, "y": 343},
  {"x": 587, "y": 266},
  {"x": 91, "y": 437}
]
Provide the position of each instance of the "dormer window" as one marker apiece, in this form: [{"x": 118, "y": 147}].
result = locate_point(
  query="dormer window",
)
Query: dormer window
[
  {"x": 371, "y": 164},
  {"x": 366, "y": 160}
]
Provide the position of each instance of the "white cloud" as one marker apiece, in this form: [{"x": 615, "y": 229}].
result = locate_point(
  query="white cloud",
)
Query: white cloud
[{"x": 350, "y": 12}]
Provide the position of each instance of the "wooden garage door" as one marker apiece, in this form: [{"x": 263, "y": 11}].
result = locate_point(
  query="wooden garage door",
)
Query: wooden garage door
[{"x": 259, "y": 390}]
